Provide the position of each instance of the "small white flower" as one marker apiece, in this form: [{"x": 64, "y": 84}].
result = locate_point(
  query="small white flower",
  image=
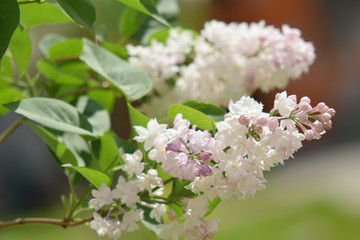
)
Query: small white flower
[
  {"x": 284, "y": 104},
  {"x": 133, "y": 163},
  {"x": 126, "y": 191},
  {"x": 102, "y": 197},
  {"x": 104, "y": 227},
  {"x": 149, "y": 181},
  {"x": 148, "y": 135},
  {"x": 130, "y": 218},
  {"x": 158, "y": 211}
]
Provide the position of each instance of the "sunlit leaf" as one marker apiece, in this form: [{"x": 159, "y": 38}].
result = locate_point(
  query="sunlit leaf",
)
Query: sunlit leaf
[
  {"x": 53, "y": 73},
  {"x": 130, "y": 21},
  {"x": 44, "y": 13},
  {"x": 65, "y": 50},
  {"x": 8, "y": 95},
  {"x": 93, "y": 176},
  {"x": 130, "y": 80},
  {"x": 53, "y": 113},
  {"x": 214, "y": 112},
  {"x": 20, "y": 47},
  {"x": 48, "y": 40},
  {"x": 194, "y": 116},
  {"x": 137, "y": 118}
]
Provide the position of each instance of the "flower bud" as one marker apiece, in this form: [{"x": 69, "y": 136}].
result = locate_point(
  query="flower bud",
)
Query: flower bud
[
  {"x": 172, "y": 147},
  {"x": 304, "y": 106},
  {"x": 302, "y": 117},
  {"x": 318, "y": 126},
  {"x": 272, "y": 123},
  {"x": 244, "y": 120},
  {"x": 321, "y": 106},
  {"x": 309, "y": 135},
  {"x": 305, "y": 100},
  {"x": 325, "y": 117},
  {"x": 205, "y": 170},
  {"x": 328, "y": 125},
  {"x": 262, "y": 121},
  {"x": 331, "y": 111},
  {"x": 205, "y": 157}
]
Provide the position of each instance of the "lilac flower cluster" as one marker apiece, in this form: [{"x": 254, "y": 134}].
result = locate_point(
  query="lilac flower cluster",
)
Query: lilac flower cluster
[
  {"x": 225, "y": 61},
  {"x": 228, "y": 164}
]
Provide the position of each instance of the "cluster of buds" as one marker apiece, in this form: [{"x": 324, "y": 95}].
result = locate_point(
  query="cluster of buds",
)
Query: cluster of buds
[{"x": 313, "y": 121}]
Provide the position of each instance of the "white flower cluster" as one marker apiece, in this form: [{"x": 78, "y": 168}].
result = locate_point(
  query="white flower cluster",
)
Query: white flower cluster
[
  {"x": 125, "y": 196},
  {"x": 225, "y": 61},
  {"x": 228, "y": 164}
]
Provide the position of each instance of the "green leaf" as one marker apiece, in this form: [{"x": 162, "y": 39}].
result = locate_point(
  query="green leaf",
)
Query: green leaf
[
  {"x": 45, "y": 13},
  {"x": 136, "y": 117},
  {"x": 53, "y": 73},
  {"x": 8, "y": 95},
  {"x": 147, "y": 211},
  {"x": 96, "y": 115},
  {"x": 212, "y": 205},
  {"x": 48, "y": 40},
  {"x": 115, "y": 49},
  {"x": 130, "y": 80},
  {"x": 160, "y": 36},
  {"x": 214, "y": 112},
  {"x": 124, "y": 147},
  {"x": 65, "y": 50},
  {"x": 105, "y": 98},
  {"x": 179, "y": 190},
  {"x": 75, "y": 68},
  {"x": 54, "y": 114},
  {"x": 130, "y": 21},
  {"x": 81, "y": 11},
  {"x": 152, "y": 227},
  {"x": 194, "y": 116},
  {"x": 6, "y": 70},
  {"x": 147, "y": 7},
  {"x": 20, "y": 47},
  {"x": 9, "y": 20},
  {"x": 77, "y": 146},
  {"x": 93, "y": 176},
  {"x": 63, "y": 154},
  {"x": 107, "y": 152}
]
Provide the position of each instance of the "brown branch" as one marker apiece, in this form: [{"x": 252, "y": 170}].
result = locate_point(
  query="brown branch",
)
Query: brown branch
[{"x": 52, "y": 221}]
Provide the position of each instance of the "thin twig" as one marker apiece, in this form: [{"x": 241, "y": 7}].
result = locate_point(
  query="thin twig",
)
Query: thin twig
[
  {"x": 11, "y": 129},
  {"x": 52, "y": 221}
]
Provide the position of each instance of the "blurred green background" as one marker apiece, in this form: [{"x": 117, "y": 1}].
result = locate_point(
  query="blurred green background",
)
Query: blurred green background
[{"x": 314, "y": 196}]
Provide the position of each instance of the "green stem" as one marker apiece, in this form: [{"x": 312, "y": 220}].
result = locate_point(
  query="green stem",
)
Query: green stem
[
  {"x": 110, "y": 164},
  {"x": 71, "y": 186},
  {"x": 11, "y": 129},
  {"x": 30, "y": 85},
  {"x": 31, "y": 1},
  {"x": 82, "y": 197}
]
